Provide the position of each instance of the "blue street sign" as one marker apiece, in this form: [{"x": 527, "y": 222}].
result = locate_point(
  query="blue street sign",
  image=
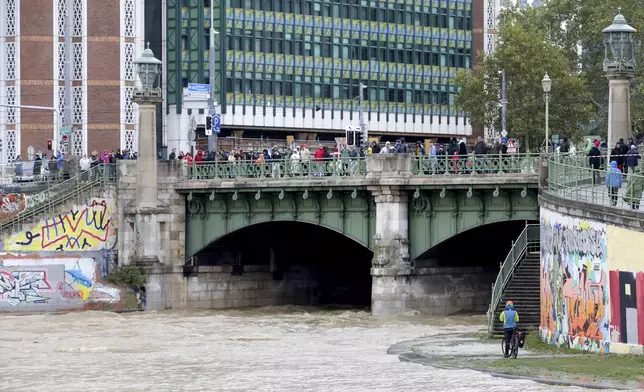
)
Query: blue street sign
[
  {"x": 216, "y": 123},
  {"x": 198, "y": 88}
]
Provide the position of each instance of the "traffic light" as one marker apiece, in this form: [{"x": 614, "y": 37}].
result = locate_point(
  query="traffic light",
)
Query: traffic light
[
  {"x": 49, "y": 146},
  {"x": 351, "y": 136},
  {"x": 208, "y": 123},
  {"x": 358, "y": 136}
]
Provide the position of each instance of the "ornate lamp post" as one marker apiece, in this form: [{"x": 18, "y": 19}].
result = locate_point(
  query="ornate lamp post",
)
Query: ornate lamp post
[
  {"x": 146, "y": 209},
  {"x": 147, "y": 97},
  {"x": 546, "y": 83},
  {"x": 619, "y": 67}
]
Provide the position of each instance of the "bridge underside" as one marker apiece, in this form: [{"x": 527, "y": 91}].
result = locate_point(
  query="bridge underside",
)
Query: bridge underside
[{"x": 434, "y": 215}]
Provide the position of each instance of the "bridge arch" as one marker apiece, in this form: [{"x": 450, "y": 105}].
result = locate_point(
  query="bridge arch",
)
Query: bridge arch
[
  {"x": 209, "y": 219},
  {"x": 437, "y": 216},
  {"x": 307, "y": 264}
]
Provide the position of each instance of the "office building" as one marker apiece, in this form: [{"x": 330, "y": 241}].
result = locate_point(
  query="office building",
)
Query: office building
[
  {"x": 106, "y": 39},
  {"x": 295, "y": 67}
]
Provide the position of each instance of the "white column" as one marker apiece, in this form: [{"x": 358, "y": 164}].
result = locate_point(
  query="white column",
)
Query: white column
[{"x": 619, "y": 110}]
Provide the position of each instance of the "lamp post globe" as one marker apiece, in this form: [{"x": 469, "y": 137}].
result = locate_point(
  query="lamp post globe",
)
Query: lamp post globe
[
  {"x": 148, "y": 68},
  {"x": 619, "y": 55},
  {"x": 546, "y": 83}
]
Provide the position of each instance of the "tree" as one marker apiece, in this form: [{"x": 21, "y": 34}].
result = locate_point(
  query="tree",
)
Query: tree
[{"x": 526, "y": 53}]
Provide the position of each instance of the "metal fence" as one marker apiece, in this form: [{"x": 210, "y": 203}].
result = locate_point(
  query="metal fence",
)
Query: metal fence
[
  {"x": 348, "y": 167},
  {"x": 475, "y": 164},
  {"x": 36, "y": 172},
  {"x": 574, "y": 179}
]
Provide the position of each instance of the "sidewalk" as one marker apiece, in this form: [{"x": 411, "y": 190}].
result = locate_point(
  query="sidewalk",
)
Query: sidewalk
[{"x": 456, "y": 351}]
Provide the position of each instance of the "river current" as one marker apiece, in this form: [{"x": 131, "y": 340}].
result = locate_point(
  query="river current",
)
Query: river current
[{"x": 269, "y": 349}]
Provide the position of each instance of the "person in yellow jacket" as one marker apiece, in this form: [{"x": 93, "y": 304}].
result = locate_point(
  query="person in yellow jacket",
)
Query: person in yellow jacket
[{"x": 509, "y": 317}]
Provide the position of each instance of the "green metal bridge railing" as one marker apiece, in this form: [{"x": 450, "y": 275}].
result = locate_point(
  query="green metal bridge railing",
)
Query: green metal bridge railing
[
  {"x": 528, "y": 240},
  {"x": 78, "y": 188},
  {"x": 357, "y": 167}
]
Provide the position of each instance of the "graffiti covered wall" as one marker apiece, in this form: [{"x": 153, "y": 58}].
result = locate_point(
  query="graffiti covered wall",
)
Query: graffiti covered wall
[
  {"x": 575, "y": 309},
  {"x": 11, "y": 204},
  {"x": 626, "y": 265},
  {"x": 52, "y": 284},
  {"x": 86, "y": 227}
]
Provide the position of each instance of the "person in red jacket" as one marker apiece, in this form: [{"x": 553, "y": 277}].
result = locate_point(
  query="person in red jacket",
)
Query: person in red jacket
[
  {"x": 319, "y": 161},
  {"x": 199, "y": 157}
]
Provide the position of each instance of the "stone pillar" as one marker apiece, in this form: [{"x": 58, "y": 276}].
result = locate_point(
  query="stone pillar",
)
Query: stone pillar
[
  {"x": 391, "y": 267},
  {"x": 146, "y": 164},
  {"x": 619, "y": 109}
]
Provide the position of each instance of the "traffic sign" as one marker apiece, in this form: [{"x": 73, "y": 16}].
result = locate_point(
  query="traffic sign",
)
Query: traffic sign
[
  {"x": 216, "y": 123},
  {"x": 65, "y": 130},
  {"x": 504, "y": 133},
  {"x": 198, "y": 90}
]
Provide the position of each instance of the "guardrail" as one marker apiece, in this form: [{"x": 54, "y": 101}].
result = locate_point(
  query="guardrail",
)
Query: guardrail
[
  {"x": 351, "y": 167},
  {"x": 475, "y": 164},
  {"x": 528, "y": 240},
  {"x": 576, "y": 180},
  {"x": 35, "y": 172},
  {"x": 78, "y": 188}
]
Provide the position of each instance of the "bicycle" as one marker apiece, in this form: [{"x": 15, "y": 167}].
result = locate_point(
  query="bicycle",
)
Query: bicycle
[{"x": 517, "y": 340}]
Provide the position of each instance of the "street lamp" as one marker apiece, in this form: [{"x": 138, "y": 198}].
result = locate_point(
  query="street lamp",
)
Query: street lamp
[
  {"x": 148, "y": 68},
  {"x": 619, "y": 67},
  {"x": 546, "y": 83}
]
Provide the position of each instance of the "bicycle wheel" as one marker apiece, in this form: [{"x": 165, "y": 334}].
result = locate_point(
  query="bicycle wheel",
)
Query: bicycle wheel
[
  {"x": 503, "y": 346},
  {"x": 515, "y": 347}
]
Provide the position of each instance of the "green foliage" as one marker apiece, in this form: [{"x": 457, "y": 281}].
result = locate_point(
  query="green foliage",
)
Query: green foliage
[
  {"x": 128, "y": 276},
  {"x": 526, "y": 52}
]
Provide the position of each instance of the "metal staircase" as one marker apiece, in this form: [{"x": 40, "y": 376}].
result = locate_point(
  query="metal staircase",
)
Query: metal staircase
[
  {"x": 77, "y": 189},
  {"x": 518, "y": 281}
]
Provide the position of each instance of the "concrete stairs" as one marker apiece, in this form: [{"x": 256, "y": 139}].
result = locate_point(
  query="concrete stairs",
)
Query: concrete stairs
[{"x": 523, "y": 288}]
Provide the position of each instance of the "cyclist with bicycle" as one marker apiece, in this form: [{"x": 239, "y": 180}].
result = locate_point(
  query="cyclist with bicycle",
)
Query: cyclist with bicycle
[{"x": 509, "y": 317}]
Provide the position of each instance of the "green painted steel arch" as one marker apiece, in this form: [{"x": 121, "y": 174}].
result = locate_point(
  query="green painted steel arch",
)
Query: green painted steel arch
[{"x": 210, "y": 220}]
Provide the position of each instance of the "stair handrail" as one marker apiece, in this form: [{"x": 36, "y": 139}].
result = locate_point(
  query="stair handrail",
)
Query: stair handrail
[
  {"x": 69, "y": 189},
  {"x": 519, "y": 248}
]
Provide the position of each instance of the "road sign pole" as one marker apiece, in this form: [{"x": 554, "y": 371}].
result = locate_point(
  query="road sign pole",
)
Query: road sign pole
[{"x": 212, "y": 139}]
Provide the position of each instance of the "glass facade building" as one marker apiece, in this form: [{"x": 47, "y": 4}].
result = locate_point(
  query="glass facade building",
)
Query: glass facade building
[{"x": 308, "y": 57}]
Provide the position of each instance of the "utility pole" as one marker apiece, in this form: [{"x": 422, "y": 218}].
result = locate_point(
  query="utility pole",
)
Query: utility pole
[
  {"x": 69, "y": 99},
  {"x": 504, "y": 106},
  {"x": 363, "y": 126},
  {"x": 212, "y": 139}
]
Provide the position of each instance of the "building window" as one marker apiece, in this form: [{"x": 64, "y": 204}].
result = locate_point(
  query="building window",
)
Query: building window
[
  {"x": 61, "y": 60},
  {"x": 78, "y": 143},
  {"x": 129, "y": 18},
  {"x": 129, "y": 61},
  {"x": 61, "y": 106},
  {"x": 77, "y": 22},
  {"x": 129, "y": 106},
  {"x": 11, "y": 60},
  {"x": 62, "y": 14},
  {"x": 78, "y": 105},
  {"x": 10, "y": 17},
  {"x": 11, "y": 100},
  {"x": 78, "y": 61},
  {"x": 129, "y": 140}
]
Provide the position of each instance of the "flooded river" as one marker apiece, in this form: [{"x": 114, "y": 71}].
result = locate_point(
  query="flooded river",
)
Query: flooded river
[{"x": 271, "y": 349}]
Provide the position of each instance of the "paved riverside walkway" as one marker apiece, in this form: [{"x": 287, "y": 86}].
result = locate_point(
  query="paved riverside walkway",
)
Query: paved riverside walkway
[{"x": 458, "y": 351}]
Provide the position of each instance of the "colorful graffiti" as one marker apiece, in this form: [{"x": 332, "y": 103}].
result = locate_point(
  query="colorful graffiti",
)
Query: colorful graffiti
[
  {"x": 84, "y": 228},
  {"x": 11, "y": 204},
  {"x": 575, "y": 293},
  {"x": 71, "y": 282},
  {"x": 24, "y": 286}
]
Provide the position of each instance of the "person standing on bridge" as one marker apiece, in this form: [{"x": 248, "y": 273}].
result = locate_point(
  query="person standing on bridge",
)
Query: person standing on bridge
[{"x": 613, "y": 182}]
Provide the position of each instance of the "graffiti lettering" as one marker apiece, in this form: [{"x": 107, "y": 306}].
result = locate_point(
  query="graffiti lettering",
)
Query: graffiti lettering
[
  {"x": 86, "y": 227},
  {"x": 11, "y": 204},
  {"x": 29, "y": 237},
  {"x": 17, "y": 287},
  {"x": 574, "y": 283}
]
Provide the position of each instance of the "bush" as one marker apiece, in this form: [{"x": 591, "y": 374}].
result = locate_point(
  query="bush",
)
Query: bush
[{"x": 129, "y": 276}]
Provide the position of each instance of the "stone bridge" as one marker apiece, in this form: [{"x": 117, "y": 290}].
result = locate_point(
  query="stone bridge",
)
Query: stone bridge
[{"x": 241, "y": 233}]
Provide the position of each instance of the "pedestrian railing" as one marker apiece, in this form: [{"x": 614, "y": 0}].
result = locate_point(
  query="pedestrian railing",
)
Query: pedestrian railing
[
  {"x": 475, "y": 164},
  {"x": 78, "y": 188},
  {"x": 528, "y": 241},
  {"x": 37, "y": 172},
  {"x": 576, "y": 180},
  {"x": 286, "y": 168}
]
